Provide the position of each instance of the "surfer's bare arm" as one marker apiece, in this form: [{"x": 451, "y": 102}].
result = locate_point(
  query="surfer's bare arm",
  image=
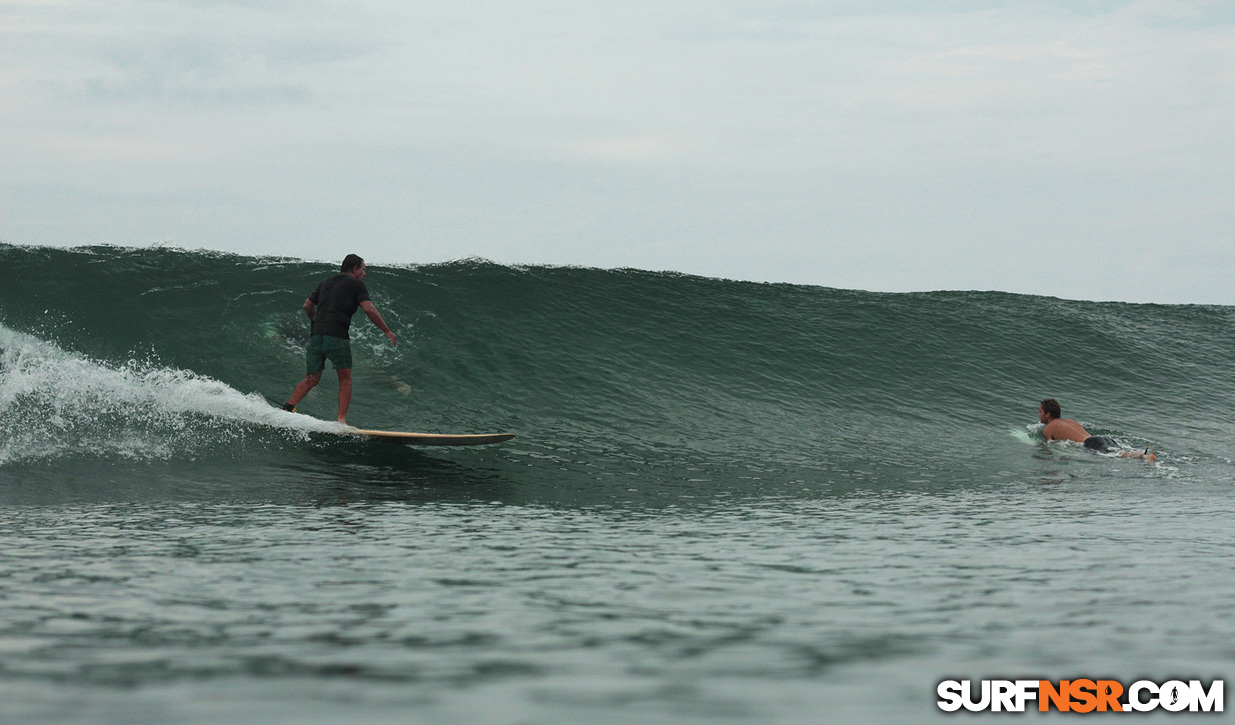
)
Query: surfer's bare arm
[
  {"x": 371, "y": 310},
  {"x": 309, "y": 308}
]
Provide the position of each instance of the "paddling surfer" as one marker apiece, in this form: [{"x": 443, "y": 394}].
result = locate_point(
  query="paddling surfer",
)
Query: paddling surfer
[
  {"x": 1064, "y": 429},
  {"x": 330, "y": 308}
]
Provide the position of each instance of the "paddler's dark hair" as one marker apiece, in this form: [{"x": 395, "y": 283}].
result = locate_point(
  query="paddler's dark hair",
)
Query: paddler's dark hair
[
  {"x": 1050, "y": 406},
  {"x": 350, "y": 262}
]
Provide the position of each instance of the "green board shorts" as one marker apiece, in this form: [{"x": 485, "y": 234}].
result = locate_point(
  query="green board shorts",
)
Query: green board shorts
[{"x": 327, "y": 347}]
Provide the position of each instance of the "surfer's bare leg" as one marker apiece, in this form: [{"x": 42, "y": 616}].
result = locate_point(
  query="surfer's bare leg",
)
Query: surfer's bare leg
[
  {"x": 309, "y": 382},
  {"x": 345, "y": 393},
  {"x": 1147, "y": 455}
]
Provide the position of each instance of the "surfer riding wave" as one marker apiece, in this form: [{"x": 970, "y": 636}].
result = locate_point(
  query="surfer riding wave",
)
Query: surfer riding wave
[{"x": 330, "y": 308}]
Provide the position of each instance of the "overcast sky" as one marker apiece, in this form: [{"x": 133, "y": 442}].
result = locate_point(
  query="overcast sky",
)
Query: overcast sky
[{"x": 1080, "y": 148}]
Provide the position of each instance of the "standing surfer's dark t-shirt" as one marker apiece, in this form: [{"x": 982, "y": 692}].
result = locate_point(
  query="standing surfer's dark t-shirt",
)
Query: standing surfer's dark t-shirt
[{"x": 337, "y": 300}]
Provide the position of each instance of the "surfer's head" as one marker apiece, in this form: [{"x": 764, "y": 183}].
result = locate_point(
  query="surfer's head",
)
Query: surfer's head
[
  {"x": 350, "y": 262},
  {"x": 1049, "y": 410}
]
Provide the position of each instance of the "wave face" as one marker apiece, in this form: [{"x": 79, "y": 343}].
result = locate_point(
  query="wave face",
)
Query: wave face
[{"x": 160, "y": 357}]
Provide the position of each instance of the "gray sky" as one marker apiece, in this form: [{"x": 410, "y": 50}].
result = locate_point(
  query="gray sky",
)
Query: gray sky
[{"x": 1082, "y": 149}]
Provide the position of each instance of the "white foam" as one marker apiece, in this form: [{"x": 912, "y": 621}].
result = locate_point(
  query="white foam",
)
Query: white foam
[{"x": 55, "y": 403}]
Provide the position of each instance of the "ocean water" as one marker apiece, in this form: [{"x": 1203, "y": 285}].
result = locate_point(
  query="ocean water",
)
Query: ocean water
[{"x": 725, "y": 501}]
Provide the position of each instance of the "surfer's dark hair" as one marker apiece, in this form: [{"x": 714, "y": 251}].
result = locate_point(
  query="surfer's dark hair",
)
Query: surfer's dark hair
[
  {"x": 350, "y": 262},
  {"x": 1050, "y": 406}
]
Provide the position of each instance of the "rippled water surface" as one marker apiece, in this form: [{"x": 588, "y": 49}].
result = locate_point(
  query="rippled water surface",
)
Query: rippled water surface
[{"x": 786, "y": 610}]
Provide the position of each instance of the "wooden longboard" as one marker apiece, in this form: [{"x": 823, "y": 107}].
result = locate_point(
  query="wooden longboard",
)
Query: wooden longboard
[
  {"x": 430, "y": 439},
  {"x": 419, "y": 439}
]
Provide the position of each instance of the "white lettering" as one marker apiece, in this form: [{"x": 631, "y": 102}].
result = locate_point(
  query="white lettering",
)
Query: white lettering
[
  {"x": 1211, "y": 702},
  {"x": 1025, "y": 690},
  {"x": 1135, "y": 702},
  {"x": 1174, "y": 696},
  {"x": 1001, "y": 696},
  {"x": 968, "y": 702},
  {"x": 949, "y": 694}
]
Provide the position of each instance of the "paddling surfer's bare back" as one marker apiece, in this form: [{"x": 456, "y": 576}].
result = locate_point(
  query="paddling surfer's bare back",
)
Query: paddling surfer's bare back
[{"x": 1057, "y": 428}]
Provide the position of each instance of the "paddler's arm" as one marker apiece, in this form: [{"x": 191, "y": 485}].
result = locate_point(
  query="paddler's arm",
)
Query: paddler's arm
[
  {"x": 376, "y": 317},
  {"x": 309, "y": 308}
]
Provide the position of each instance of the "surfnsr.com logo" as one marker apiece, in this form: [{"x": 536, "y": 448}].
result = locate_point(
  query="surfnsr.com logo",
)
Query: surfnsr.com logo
[{"x": 1080, "y": 696}]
